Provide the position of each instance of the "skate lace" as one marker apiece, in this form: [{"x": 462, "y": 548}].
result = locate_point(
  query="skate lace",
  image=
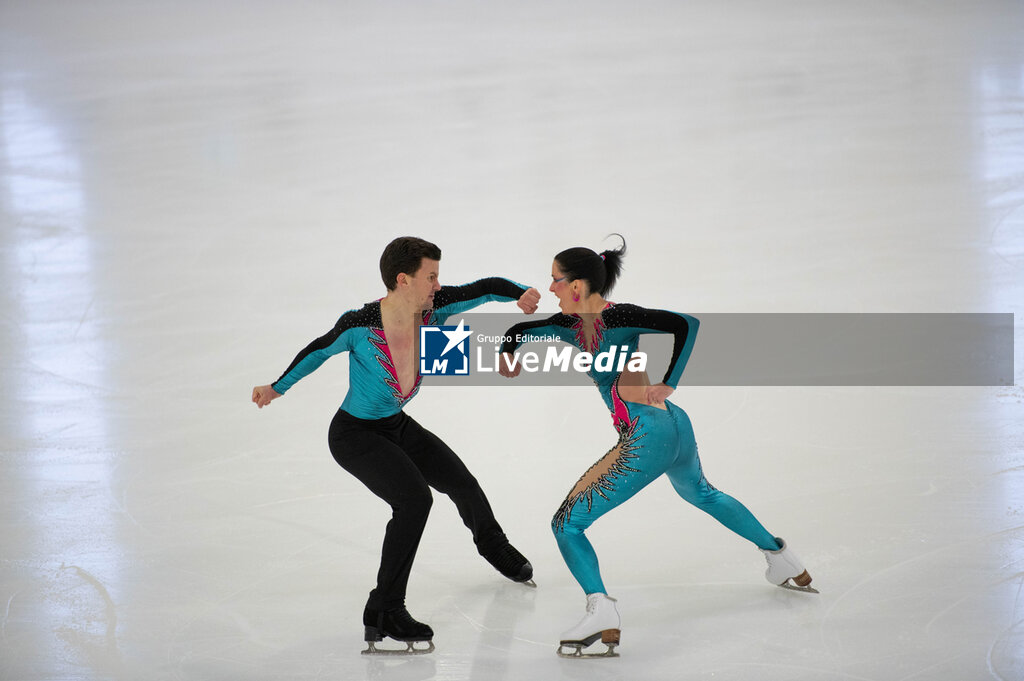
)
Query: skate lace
[
  {"x": 507, "y": 559},
  {"x": 402, "y": 618}
]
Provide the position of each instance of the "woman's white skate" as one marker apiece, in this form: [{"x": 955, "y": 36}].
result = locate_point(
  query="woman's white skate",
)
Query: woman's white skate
[
  {"x": 601, "y": 622},
  {"x": 784, "y": 567}
]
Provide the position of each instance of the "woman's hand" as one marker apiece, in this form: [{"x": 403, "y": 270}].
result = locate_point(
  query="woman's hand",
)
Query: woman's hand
[
  {"x": 657, "y": 394},
  {"x": 529, "y": 300},
  {"x": 262, "y": 395}
]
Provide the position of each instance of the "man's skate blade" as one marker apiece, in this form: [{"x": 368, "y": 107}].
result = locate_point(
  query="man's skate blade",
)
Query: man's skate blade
[
  {"x": 411, "y": 649},
  {"x": 793, "y": 587}
]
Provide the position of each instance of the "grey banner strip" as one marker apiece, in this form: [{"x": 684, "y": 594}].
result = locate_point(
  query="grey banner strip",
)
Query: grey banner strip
[{"x": 838, "y": 349}]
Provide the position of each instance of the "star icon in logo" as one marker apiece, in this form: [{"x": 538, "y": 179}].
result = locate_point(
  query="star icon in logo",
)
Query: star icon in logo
[{"x": 456, "y": 337}]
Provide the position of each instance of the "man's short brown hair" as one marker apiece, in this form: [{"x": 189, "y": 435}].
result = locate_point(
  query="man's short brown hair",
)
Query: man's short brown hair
[{"x": 404, "y": 255}]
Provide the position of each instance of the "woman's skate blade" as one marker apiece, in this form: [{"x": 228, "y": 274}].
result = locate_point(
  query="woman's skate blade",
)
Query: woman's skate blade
[
  {"x": 801, "y": 582},
  {"x": 794, "y": 587},
  {"x": 609, "y": 637},
  {"x": 411, "y": 649}
]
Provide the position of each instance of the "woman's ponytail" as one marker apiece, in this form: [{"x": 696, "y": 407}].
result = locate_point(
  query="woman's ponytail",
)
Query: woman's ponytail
[{"x": 599, "y": 270}]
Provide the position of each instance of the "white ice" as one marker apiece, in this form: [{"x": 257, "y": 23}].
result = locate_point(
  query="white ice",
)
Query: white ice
[{"x": 191, "y": 191}]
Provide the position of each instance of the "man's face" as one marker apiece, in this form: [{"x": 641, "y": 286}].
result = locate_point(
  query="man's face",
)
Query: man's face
[{"x": 424, "y": 283}]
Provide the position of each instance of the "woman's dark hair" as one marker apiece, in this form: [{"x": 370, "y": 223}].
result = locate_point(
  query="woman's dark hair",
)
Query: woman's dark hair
[
  {"x": 405, "y": 255},
  {"x": 599, "y": 270}
]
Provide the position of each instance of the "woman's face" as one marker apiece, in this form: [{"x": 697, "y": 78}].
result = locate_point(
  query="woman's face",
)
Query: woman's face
[{"x": 563, "y": 289}]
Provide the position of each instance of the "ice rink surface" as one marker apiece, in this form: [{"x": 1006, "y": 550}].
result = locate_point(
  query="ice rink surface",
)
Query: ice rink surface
[{"x": 190, "y": 192}]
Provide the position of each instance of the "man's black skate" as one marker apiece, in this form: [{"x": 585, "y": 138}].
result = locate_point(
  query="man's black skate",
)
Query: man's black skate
[
  {"x": 509, "y": 562},
  {"x": 399, "y": 625}
]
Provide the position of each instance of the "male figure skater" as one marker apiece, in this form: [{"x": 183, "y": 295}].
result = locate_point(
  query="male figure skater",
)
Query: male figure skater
[{"x": 376, "y": 441}]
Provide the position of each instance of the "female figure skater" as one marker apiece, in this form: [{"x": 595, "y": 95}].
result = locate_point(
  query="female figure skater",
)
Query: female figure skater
[{"x": 654, "y": 436}]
